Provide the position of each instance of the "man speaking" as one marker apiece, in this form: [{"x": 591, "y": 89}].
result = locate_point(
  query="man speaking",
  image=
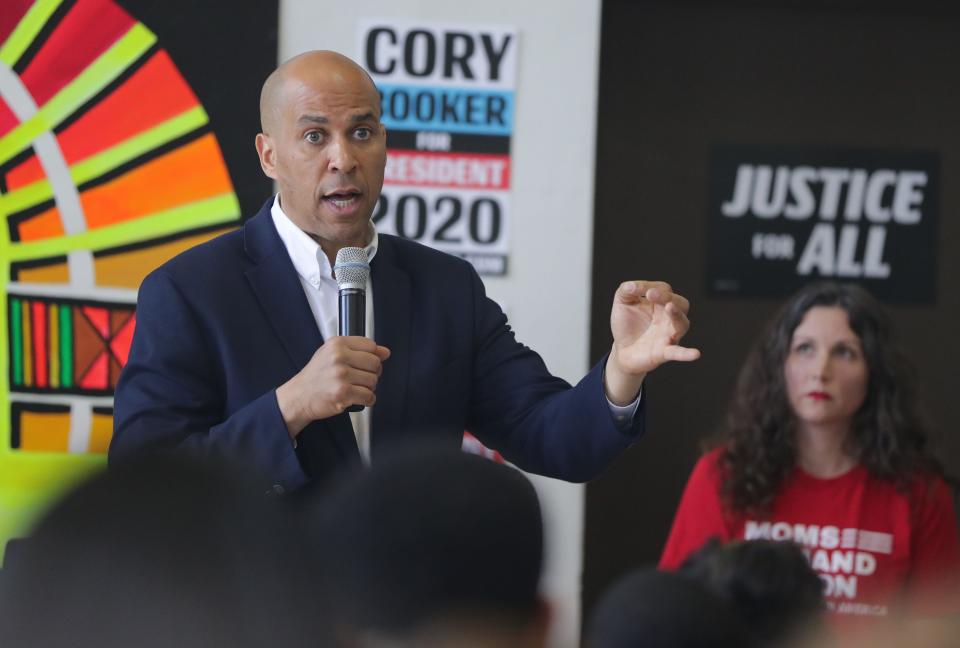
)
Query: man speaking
[{"x": 236, "y": 352}]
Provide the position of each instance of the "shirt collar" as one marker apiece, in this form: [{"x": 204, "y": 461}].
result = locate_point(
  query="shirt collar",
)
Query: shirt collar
[{"x": 308, "y": 260}]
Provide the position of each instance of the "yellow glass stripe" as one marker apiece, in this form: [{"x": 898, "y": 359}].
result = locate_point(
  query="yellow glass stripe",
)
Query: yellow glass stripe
[
  {"x": 27, "y": 344},
  {"x": 100, "y": 433},
  {"x": 109, "y": 159},
  {"x": 44, "y": 432},
  {"x": 88, "y": 83},
  {"x": 218, "y": 209},
  {"x": 53, "y": 321},
  {"x": 28, "y": 28}
]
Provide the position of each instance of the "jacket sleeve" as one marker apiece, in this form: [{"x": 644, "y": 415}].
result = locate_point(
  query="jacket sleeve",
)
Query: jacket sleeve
[
  {"x": 700, "y": 514},
  {"x": 170, "y": 395},
  {"x": 536, "y": 420}
]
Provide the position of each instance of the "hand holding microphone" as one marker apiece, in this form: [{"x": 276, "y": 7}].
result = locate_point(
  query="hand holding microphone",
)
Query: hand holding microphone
[{"x": 343, "y": 372}]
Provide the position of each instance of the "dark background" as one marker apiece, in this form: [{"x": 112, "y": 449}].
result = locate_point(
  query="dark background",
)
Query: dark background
[{"x": 678, "y": 78}]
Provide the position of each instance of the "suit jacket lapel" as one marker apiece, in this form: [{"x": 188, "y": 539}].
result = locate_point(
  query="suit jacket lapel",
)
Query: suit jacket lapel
[
  {"x": 392, "y": 313},
  {"x": 277, "y": 287}
]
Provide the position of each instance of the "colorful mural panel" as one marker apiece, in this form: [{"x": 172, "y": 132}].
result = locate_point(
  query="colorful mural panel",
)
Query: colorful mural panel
[{"x": 109, "y": 166}]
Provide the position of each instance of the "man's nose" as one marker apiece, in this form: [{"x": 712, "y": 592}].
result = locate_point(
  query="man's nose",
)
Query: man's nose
[{"x": 342, "y": 157}]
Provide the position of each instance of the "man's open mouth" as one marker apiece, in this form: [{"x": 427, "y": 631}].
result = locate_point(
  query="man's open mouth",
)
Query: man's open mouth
[{"x": 342, "y": 199}]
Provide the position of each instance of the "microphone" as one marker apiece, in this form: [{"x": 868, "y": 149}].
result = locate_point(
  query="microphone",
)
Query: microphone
[{"x": 352, "y": 270}]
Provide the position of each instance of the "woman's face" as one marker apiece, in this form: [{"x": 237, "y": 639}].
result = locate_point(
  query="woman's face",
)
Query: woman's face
[{"x": 825, "y": 371}]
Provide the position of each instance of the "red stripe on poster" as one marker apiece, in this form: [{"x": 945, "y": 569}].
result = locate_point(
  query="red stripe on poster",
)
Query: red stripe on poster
[
  {"x": 41, "y": 364},
  {"x": 457, "y": 170}
]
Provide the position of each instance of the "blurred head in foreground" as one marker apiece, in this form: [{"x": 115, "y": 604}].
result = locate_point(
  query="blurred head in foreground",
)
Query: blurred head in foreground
[
  {"x": 653, "y": 609},
  {"x": 159, "y": 553},
  {"x": 432, "y": 548},
  {"x": 771, "y": 585}
]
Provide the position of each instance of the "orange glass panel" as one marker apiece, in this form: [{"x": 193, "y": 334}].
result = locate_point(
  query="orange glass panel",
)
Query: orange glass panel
[
  {"x": 192, "y": 172},
  {"x": 55, "y": 273},
  {"x": 88, "y": 345},
  {"x": 42, "y": 226},
  {"x": 127, "y": 269},
  {"x": 45, "y": 431},
  {"x": 100, "y": 433}
]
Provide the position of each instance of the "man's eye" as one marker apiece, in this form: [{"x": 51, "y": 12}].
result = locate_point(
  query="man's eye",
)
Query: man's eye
[
  {"x": 363, "y": 133},
  {"x": 313, "y": 137}
]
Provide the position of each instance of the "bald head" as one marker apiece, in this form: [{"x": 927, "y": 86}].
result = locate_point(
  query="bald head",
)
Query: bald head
[{"x": 309, "y": 68}]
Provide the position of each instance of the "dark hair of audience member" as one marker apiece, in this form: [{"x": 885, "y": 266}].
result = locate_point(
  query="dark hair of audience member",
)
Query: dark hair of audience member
[
  {"x": 160, "y": 552},
  {"x": 770, "y": 584},
  {"x": 431, "y": 539},
  {"x": 651, "y": 609},
  {"x": 888, "y": 436}
]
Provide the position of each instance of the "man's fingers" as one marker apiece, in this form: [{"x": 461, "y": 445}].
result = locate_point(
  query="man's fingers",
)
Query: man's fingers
[
  {"x": 359, "y": 343},
  {"x": 634, "y": 291},
  {"x": 363, "y": 396},
  {"x": 355, "y": 343},
  {"x": 658, "y": 292},
  {"x": 356, "y": 396},
  {"x": 363, "y": 361},
  {"x": 665, "y": 296},
  {"x": 681, "y": 323},
  {"x": 359, "y": 378},
  {"x": 681, "y": 302},
  {"x": 676, "y": 353}
]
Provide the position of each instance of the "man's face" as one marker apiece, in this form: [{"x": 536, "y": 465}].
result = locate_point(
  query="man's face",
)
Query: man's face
[{"x": 327, "y": 152}]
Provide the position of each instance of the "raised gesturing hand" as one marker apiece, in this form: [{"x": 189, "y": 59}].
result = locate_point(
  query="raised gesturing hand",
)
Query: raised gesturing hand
[{"x": 647, "y": 321}]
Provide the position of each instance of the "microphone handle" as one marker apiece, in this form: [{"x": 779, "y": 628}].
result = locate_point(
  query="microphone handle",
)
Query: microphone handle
[{"x": 352, "y": 304}]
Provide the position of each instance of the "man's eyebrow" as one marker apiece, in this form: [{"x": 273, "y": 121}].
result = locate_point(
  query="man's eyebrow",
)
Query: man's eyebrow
[
  {"x": 313, "y": 119},
  {"x": 320, "y": 119}
]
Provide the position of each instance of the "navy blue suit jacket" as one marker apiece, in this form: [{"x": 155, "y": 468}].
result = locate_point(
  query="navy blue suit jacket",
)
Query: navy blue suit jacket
[{"x": 224, "y": 324}]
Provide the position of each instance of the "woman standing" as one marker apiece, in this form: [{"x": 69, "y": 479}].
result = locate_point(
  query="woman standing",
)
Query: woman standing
[{"x": 824, "y": 446}]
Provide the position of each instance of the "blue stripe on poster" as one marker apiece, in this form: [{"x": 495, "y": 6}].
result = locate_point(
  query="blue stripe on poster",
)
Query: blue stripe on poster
[{"x": 454, "y": 110}]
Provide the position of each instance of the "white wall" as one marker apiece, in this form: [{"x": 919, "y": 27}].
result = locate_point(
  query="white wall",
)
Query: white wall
[{"x": 546, "y": 293}]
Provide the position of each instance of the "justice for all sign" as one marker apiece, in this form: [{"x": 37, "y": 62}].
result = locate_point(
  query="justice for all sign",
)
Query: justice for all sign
[
  {"x": 447, "y": 94},
  {"x": 779, "y": 218}
]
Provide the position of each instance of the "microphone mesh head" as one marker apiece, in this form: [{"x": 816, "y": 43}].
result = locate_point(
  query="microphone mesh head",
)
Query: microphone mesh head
[{"x": 352, "y": 268}]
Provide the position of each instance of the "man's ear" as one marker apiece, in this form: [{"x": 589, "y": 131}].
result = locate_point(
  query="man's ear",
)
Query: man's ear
[{"x": 267, "y": 155}]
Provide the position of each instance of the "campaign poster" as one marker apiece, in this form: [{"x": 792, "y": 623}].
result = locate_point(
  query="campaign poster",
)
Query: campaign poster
[
  {"x": 782, "y": 217},
  {"x": 447, "y": 98}
]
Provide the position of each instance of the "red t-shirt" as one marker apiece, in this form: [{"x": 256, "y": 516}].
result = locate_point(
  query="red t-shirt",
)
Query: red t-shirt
[{"x": 868, "y": 542}]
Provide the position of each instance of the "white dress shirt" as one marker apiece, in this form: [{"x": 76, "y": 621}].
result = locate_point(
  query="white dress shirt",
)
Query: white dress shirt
[{"x": 320, "y": 287}]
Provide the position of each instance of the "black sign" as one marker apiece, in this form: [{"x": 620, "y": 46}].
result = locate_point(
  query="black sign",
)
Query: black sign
[{"x": 780, "y": 218}]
